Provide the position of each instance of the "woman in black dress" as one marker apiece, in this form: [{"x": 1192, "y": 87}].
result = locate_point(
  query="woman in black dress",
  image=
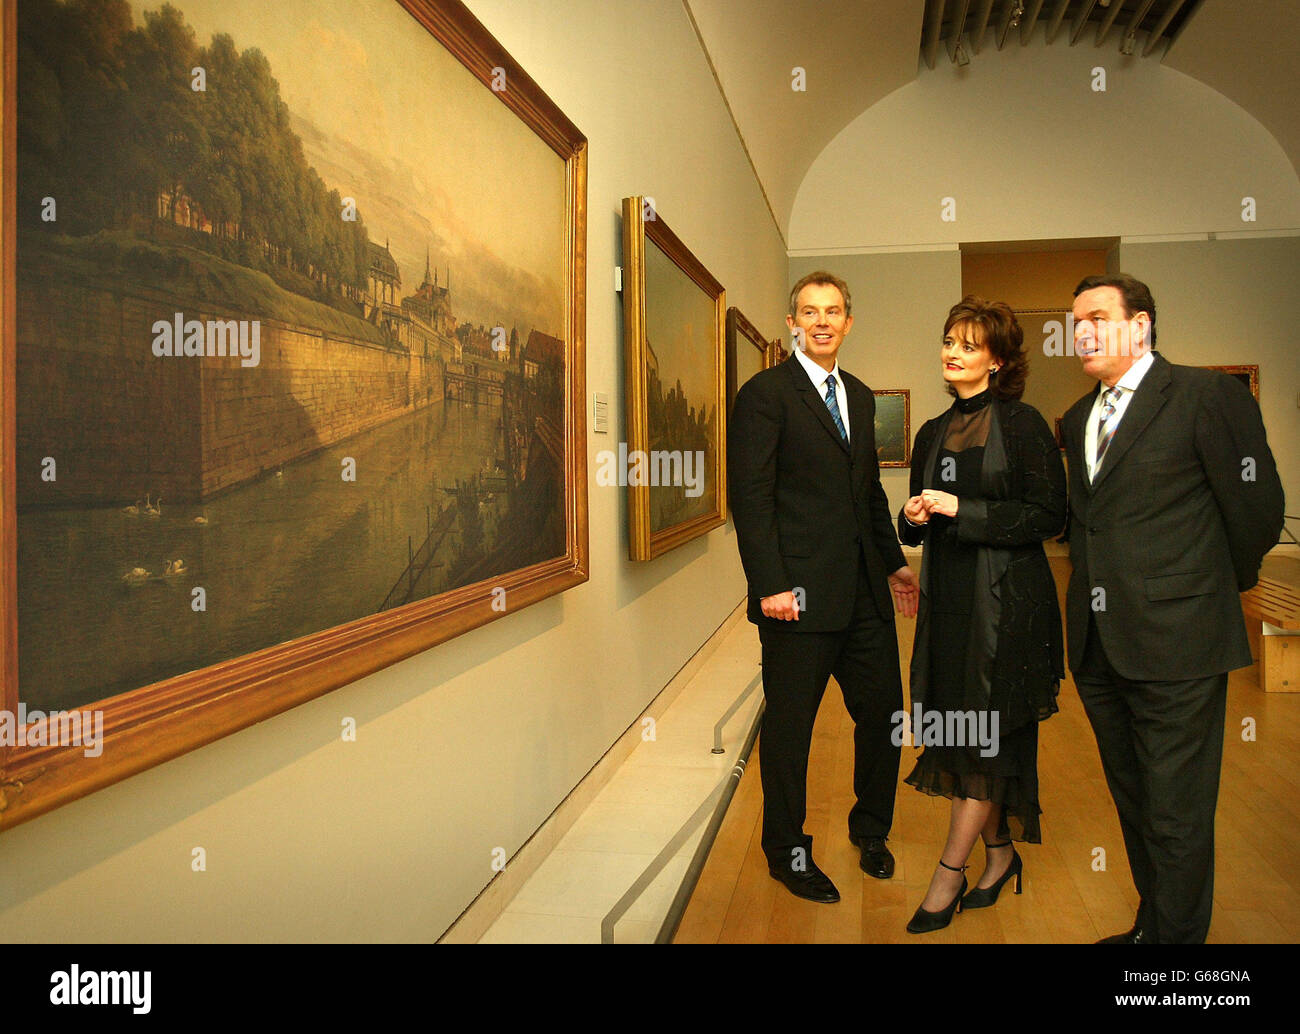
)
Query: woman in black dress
[{"x": 987, "y": 487}]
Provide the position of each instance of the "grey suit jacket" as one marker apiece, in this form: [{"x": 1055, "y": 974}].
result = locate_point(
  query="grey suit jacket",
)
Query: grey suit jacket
[{"x": 1185, "y": 505}]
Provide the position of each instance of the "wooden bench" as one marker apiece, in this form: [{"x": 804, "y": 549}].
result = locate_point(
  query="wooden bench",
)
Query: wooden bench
[{"x": 1275, "y": 601}]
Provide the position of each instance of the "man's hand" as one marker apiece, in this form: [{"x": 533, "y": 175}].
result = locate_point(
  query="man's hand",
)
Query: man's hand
[
  {"x": 783, "y": 606},
  {"x": 944, "y": 503},
  {"x": 906, "y": 590}
]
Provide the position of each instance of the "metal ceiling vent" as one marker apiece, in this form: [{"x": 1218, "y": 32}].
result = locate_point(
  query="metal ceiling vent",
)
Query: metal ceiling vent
[{"x": 963, "y": 26}]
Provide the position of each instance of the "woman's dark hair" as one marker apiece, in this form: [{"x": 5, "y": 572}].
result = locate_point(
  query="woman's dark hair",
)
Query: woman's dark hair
[{"x": 995, "y": 326}]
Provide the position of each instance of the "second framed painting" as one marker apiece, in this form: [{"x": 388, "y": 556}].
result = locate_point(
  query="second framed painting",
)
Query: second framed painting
[
  {"x": 673, "y": 310},
  {"x": 748, "y": 352},
  {"x": 1248, "y": 375},
  {"x": 894, "y": 427}
]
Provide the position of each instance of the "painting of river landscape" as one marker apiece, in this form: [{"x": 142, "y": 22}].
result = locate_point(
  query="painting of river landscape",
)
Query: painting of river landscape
[
  {"x": 676, "y": 355},
  {"x": 683, "y": 387},
  {"x": 293, "y": 336}
]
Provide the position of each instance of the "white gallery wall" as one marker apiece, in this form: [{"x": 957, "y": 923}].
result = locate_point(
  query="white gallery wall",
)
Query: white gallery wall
[{"x": 470, "y": 746}]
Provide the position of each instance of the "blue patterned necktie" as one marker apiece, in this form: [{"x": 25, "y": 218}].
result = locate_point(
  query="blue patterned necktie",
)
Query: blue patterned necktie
[
  {"x": 834, "y": 408},
  {"x": 1105, "y": 429}
]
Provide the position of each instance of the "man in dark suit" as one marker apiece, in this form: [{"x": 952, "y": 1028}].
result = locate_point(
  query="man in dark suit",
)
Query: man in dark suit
[
  {"x": 1175, "y": 500},
  {"x": 820, "y": 553}
]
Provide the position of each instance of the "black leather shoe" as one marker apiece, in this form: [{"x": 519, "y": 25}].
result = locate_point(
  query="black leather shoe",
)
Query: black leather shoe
[
  {"x": 1134, "y": 936},
  {"x": 811, "y": 884},
  {"x": 876, "y": 860}
]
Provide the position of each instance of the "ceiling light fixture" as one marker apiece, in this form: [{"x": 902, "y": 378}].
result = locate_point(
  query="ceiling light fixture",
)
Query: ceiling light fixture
[
  {"x": 1127, "y": 44},
  {"x": 959, "y": 55}
]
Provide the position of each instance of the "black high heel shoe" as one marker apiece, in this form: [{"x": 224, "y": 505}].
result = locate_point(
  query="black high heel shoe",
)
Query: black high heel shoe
[
  {"x": 927, "y": 922},
  {"x": 982, "y": 897}
]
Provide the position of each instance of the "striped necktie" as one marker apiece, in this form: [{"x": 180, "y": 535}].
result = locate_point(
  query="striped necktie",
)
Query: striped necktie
[
  {"x": 834, "y": 408},
  {"x": 1106, "y": 425}
]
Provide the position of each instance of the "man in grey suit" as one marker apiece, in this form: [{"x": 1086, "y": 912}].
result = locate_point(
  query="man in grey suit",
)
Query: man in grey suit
[{"x": 1175, "y": 500}]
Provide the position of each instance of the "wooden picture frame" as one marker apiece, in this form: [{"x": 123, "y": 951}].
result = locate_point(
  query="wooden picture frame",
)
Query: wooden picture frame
[
  {"x": 893, "y": 427},
  {"x": 152, "y": 723},
  {"x": 1247, "y": 374},
  {"x": 740, "y": 360},
  {"x": 677, "y": 434}
]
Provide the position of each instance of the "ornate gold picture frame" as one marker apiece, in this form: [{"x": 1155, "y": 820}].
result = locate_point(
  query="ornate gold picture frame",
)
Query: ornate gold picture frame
[
  {"x": 348, "y": 321},
  {"x": 673, "y": 317},
  {"x": 748, "y": 352},
  {"x": 894, "y": 427}
]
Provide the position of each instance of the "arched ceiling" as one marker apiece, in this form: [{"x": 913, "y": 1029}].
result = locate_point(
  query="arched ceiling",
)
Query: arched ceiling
[
  {"x": 1248, "y": 50},
  {"x": 796, "y": 72},
  {"x": 852, "y": 54}
]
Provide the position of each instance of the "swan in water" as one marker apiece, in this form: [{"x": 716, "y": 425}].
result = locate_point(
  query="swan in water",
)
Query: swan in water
[
  {"x": 135, "y": 576},
  {"x": 155, "y": 510},
  {"x": 200, "y": 520},
  {"x": 132, "y": 511},
  {"x": 176, "y": 566}
]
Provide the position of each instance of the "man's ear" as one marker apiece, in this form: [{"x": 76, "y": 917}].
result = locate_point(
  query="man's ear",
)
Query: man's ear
[
  {"x": 848, "y": 325},
  {"x": 1144, "y": 320},
  {"x": 796, "y": 334}
]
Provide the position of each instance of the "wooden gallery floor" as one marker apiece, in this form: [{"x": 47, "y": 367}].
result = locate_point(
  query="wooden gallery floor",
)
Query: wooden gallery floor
[{"x": 1067, "y": 897}]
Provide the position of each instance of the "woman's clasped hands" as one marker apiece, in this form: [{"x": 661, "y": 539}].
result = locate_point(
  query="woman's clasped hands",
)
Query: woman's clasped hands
[{"x": 920, "y": 508}]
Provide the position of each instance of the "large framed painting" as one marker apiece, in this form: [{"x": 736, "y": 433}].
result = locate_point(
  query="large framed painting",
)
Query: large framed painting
[
  {"x": 293, "y": 363},
  {"x": 1248, "y": 375},
  {"x": 748, "y": 352},
  {"x": 673, "y": 315},
  {"x": 894, "y": 427}
]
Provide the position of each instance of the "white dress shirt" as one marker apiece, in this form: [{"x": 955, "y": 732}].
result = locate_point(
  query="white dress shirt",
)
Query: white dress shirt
[
  {"x": 819, "y": 378},
  {"x": 1127, "y": 385}
]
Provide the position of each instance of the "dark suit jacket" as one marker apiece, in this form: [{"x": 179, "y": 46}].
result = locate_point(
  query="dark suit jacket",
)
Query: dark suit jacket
[
  {"x": 1183, "y": 509},
  {"x": 805, "y": 504}
]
